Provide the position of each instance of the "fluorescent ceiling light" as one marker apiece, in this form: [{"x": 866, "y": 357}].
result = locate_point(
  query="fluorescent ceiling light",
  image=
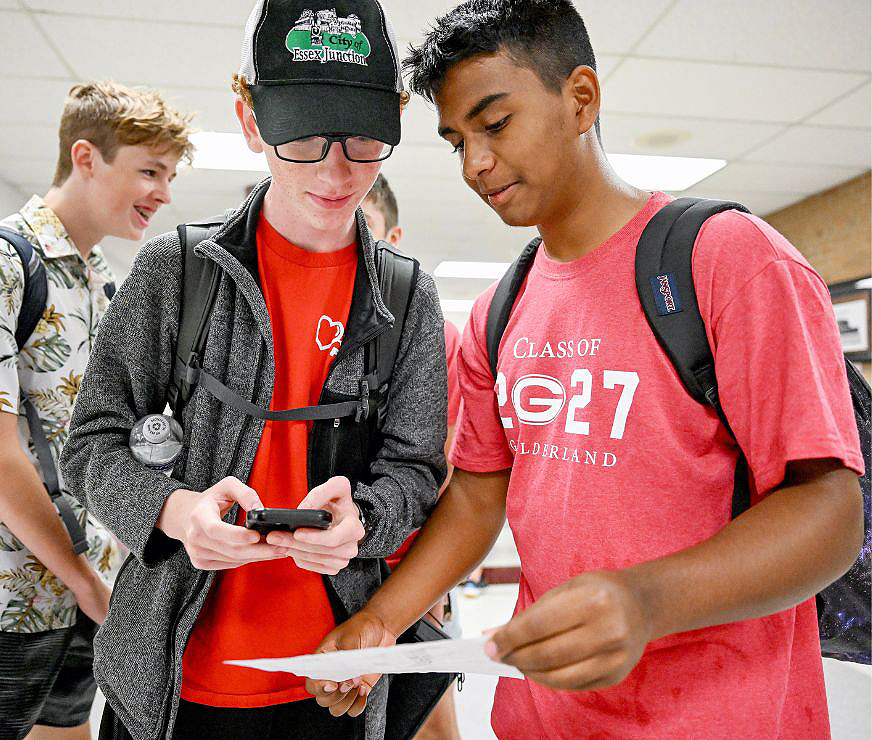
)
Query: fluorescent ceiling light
[
  {"x": 216, "y": 151},
  {"x": 663, "y": 173},
  {"x": 456, "y": 306},
  {"x": 483, "y": 270}
]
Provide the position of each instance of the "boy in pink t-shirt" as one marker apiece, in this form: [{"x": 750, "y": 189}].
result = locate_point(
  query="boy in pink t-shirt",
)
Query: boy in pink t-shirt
[{"x": 644, "y": 611}]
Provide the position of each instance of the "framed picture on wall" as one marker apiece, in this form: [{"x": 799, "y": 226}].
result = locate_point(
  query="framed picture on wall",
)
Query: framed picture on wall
[{"x": 851, "y": 303}]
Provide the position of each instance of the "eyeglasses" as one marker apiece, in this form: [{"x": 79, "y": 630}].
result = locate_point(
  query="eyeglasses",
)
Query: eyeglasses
[{"x": 315, "y": 148}]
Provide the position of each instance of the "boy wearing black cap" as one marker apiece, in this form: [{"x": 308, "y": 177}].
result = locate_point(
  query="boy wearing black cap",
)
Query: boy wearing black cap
[{"x": 296, "y": 310}]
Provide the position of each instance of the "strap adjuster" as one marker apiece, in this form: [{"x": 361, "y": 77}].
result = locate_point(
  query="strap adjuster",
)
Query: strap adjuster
[
  {"x": 363, "y": 408},
  {"x": 192, "y": 370}
]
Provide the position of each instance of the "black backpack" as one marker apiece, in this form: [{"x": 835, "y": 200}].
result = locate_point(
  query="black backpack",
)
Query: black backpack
[
  {"x": 664, "y": 260},
  {"x": 32, "y": 309},
  {"x": 397, "y": 274}
]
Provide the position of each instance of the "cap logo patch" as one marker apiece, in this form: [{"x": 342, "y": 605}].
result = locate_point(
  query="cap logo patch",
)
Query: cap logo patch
[{"x": 323, "y": 37}]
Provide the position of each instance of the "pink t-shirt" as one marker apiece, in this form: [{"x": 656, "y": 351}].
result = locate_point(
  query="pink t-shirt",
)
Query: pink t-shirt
[{"x": 613, "y": 463}]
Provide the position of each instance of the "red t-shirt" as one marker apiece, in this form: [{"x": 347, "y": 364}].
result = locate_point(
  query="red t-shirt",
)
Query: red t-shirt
[
  {"x": 613, "y": 464},
  {"x": 452, "y": 350},
  {"x": 273, "y": 608}
]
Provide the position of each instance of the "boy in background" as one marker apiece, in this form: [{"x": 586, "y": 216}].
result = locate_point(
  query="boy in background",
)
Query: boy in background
[{"x": 119, "y": 148}]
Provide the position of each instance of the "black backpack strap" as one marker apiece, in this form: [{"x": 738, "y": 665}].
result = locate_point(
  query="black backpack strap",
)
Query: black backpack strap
[
  {"x": 35, "y": 285},
  {"x": 32, "y": 308},
  {"x": 200, "y": 279},
  {"x": 504, "y": 300},
  {"x": 50, "y": 477},
  {"x": 397, "y": 277},
  {"x": 664, "y": 281}
]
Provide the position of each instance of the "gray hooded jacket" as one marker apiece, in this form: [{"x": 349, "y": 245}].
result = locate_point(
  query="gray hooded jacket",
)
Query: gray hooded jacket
[{"x": 158, "y": 593}]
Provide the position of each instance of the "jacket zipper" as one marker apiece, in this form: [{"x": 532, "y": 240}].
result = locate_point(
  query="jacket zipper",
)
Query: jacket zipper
[{"x": 201, "y": 579}]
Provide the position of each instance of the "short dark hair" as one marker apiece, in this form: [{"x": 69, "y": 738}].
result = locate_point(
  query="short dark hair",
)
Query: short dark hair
[
  {"x": 383, "y": 198},
  {"x": 546, "y": 36}
]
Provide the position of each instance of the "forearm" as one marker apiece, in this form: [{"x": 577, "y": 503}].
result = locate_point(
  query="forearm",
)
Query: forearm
[
  {"x": 780, "y": 552},
  {"x": 457, "y": 536},
  {"x": 27, "y": 510}
]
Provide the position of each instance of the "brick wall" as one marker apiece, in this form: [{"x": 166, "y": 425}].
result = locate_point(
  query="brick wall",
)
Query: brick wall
[{"x": 833, "y": 230}]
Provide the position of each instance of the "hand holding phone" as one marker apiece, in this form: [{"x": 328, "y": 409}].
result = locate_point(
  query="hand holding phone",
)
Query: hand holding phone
[{"x": 265, "y": 521}]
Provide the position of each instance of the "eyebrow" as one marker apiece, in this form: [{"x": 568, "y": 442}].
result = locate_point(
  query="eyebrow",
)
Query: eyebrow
[
  {"x": 480, "y": 106},
  {"x": 158, "y": 165}
]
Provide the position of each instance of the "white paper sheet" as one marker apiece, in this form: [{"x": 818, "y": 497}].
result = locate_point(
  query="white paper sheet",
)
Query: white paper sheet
[{"x": 437, "y": 656}]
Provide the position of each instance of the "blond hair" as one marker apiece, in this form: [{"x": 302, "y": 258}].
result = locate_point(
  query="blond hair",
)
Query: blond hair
[
  {"x": 110, "y": 115},
  {"x": 240, "y": 87}
]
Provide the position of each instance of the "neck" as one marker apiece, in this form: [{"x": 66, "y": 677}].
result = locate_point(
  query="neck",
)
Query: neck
[
  {"x": 72, "y": 211},
  {"x": 593, "y": 206},
  {"x": 303, "y": 234}
]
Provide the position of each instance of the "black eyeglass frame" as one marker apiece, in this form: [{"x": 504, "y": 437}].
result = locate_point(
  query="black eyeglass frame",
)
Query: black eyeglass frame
[{"x": 330, "y": 139}]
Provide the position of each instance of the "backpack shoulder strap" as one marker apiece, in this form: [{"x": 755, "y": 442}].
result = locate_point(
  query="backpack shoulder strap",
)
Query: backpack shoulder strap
[
  {"x": 664, "y": 281},
  {"x": 200, "y": 279},
  {"x": 504, "y": 300},
  {"x": 32, "y": 308},
  {"x": 35, "y": 285},
  {"x": 397, "y": 277}
]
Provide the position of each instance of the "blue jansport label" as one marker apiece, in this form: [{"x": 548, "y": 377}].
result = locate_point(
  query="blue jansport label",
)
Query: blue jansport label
[{"x": 666, "y": 293}]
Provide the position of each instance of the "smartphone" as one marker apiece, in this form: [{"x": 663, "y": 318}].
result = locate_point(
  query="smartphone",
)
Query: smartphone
[{"x": 287, "y": 520}]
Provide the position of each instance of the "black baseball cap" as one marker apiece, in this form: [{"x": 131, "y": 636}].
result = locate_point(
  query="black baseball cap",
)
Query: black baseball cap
[{"x": 322, "y": 70}]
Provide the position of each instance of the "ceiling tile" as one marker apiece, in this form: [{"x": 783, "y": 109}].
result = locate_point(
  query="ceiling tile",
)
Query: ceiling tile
[
  {"x": 801, "y": 33},
  {"x": 845, "y": 147},
  {"x": 701, "y": 138},
  {"x": 165, "y": 54},
  {"x": 35, "y": 101},
  {"x": 213, "y": 109},
  {"x": 775, "y": 178},
  {"x": 32, "y": 56},
  {"x": 763, "y": 94},
  {"x": 227, "y": 12},
  {"x": 760, "y": 204},
  {"x": 28, "y": 141},
  {"x": 615, "y": 27},
  {"x": 854, "y": 109}
]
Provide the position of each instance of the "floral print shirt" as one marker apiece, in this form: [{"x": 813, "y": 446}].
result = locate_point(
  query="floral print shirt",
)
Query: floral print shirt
[{"x": 48, "y": 369}]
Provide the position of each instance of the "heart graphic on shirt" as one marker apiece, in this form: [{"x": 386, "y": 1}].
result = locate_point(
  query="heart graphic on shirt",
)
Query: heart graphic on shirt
[{"x": 328, "y": 334}]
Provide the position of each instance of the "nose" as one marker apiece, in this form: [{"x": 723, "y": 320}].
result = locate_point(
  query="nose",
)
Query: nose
[
  {"x": 335, "y": 167},
  {"x": 162, "y": 192},
  {"x": 477, "y": 159}
]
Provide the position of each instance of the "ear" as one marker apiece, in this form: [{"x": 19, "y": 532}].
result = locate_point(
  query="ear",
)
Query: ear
[
  {"x": 249, "y": 126},
  {"x": 582, "y": 92},
  {"x": 83, "y": 155},
  {"x": 394, "y": 236}
]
